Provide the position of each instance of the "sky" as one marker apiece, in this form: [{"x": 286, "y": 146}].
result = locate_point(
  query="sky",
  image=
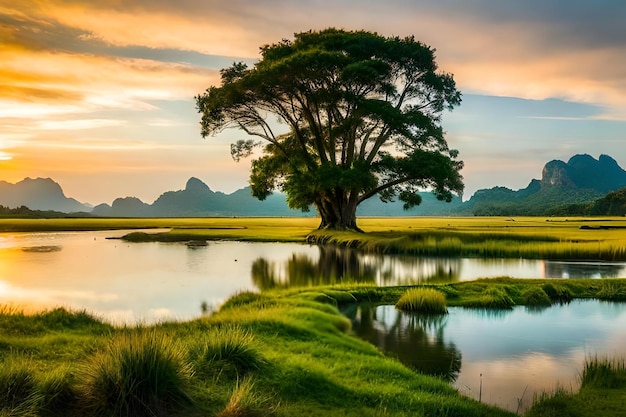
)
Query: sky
[{"x": 99, "y": 96}]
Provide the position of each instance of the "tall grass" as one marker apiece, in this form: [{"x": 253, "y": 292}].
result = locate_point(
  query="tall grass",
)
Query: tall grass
[
  {"x": 611, "y": 291},
  {"x": 536, "y": 296},
  {"x": 492, "y": 298},
  {"x": 228, "y": 350},
  {"x": 57, "y": 391},
  {"x": 141, "y": 373},
  {"x": 604, "y": 373},
  {"x": 18, "y": 388},
  {"x": 558, "y": 293},
  {"x": 244, "y": 402},
  {"x": 423, "y": 300}
]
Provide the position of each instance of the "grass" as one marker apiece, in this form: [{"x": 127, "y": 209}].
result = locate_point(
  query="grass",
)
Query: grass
[
  {"x": 244, "y": 402},
  {"x": 140, "y": 373},
  {"x": 602, "y": 393},
  {"x": 279, "y": 354},
  {"x": 230, "y": 350},
  {"x": 423, "y": 300},
  {"x": 18, "y": 391},
  {"x": 604, "y": 373},
  {"x": 505, "y": 237}
]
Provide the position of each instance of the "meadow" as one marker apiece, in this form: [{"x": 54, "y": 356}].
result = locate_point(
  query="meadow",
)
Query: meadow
[
  {"x": 602, "y": 238},
  {"x": 290, "y": 352}
]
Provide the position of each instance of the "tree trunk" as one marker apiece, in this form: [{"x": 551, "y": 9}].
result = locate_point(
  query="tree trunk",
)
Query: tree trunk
[{"x": 337, "y": 214}]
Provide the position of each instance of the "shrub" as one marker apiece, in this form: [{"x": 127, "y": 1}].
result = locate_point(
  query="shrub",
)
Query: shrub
[
  {"x": 423, "y": 300},
  {"x": 230, "y": 350},
  {"x": 141, "y": 373},
  {"x": 535, "y": 296}
]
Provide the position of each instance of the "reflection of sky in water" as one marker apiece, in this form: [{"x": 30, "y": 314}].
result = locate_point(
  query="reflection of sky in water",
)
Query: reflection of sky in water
[
  {"x": 522, "y": 350},
  {"x": 148, "y": 281},
  {"x": 123, "y": 281}
]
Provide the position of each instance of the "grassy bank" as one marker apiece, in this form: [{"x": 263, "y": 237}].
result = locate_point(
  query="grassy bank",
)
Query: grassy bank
[{"x": 280, "y": 354}]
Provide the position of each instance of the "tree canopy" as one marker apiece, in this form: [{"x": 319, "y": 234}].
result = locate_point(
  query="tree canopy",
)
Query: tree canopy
[{"x": 359, "y": 115}]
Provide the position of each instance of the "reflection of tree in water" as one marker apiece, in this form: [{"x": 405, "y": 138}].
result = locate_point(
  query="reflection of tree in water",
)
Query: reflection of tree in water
[
  {"x": 416, "y": 340},
  {"x": 334, "y": 265},
  {"x": 407, "y": 270},
  {"x": 583, "y": 269}
]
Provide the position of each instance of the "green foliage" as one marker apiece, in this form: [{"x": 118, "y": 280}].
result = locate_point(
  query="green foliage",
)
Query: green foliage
[
  {"x": 363, "y": 115},
  {"x": 423, "y": 300},
  {"x": 140, "y": 373}
]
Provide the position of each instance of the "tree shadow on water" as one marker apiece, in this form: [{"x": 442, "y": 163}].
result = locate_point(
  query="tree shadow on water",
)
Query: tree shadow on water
[
  {"x": 334, "y": 266},
  {"x": 416, "y": 340}
]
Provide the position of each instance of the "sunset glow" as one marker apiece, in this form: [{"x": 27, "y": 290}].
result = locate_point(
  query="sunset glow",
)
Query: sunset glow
[{"x": 99, "y": 95}]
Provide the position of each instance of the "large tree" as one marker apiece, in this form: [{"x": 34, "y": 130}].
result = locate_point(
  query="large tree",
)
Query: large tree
[{"x": 358, "y": 115}]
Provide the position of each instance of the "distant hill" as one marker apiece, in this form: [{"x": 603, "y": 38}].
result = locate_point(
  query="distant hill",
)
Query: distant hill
[
  {"x": 198, "y": 200},
  {"x": 564, "y": 188},
  {"x": 38, "y": 194},
  {"x": 581, "y": 180},
  {"x": 612, "y": 204}
]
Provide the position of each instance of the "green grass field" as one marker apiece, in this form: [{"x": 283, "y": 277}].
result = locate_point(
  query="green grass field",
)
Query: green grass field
[{"x": 500, "y": 237}]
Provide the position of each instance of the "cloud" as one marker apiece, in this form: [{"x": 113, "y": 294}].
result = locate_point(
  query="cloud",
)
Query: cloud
[
  {"x": 109, "y": 85},
  {"x": 526, "y": 49},
  {"x": 48, "y": 82}
]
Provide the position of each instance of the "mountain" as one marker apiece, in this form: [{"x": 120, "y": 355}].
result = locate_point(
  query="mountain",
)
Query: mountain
[
  {"x": 38, "y": 194},
  {"x": 581, "y": 180},
  {"x": 570, "y": 187},
  {"x": 613, "y": 204},
  {"x": 198, "y": 200}
]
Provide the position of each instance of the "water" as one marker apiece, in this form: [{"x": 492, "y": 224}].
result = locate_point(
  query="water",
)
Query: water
[
  {"x": 501, "y": 357},
  {"x": 147, "y": 282}
]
